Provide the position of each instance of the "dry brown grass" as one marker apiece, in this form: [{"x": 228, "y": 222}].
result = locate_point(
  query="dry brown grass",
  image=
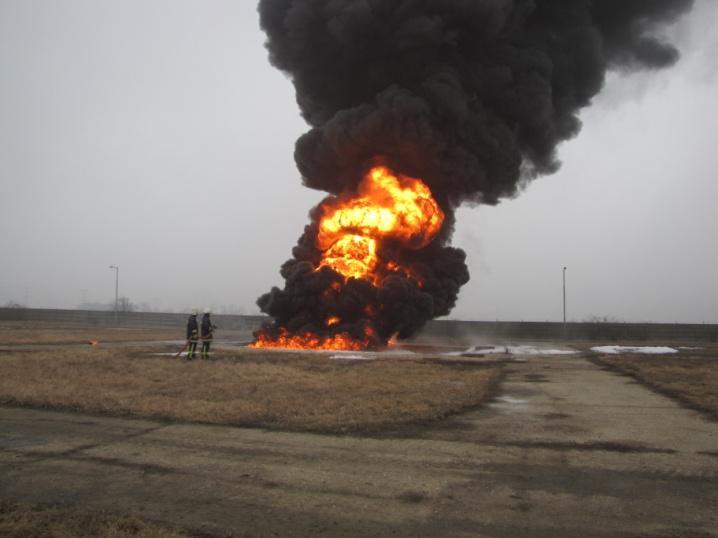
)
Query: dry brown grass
[
  {"x": 251, "y": 388},
  {"x": 690, "y": 376},
  {"x": 24, "y": 521},
  {"x": 56, "y": 333}
]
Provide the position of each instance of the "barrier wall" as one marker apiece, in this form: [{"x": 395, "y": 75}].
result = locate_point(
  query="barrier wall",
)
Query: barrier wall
[
  {"x": 124, "y": 319},
  {"x": 617, "y": 332},
  {"x": 462, "y": 330}
]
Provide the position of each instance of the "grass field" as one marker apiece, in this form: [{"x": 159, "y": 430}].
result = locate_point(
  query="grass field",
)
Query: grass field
[
  {"x": 57, "y": 333},
  {"x": 244, "y": 387},
  {"x": 25, "y": 521},
  {"x": 690, "y": 376}
]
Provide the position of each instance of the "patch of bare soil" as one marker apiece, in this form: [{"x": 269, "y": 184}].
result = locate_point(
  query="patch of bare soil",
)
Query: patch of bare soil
[
  {"x": 690, "y": 376},
  {"x": 23, "y": 521},
  {"x": 292, "y": 391}
]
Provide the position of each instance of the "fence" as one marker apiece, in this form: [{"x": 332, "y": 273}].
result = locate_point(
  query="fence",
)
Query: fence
[
  {"x": 465, "y": 330},
  {"x": 124, "y": 319},
  {"x": 509, "y": 330}
]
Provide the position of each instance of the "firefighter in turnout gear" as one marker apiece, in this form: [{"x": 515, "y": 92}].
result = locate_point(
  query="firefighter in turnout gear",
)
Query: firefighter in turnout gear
[
  {"x": 207, "y": 329},
  {"x": 192, "y": 335}
]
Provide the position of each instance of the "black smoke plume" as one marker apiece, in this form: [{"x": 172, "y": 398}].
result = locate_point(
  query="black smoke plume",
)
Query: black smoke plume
[{"x": 471, "y": 96}]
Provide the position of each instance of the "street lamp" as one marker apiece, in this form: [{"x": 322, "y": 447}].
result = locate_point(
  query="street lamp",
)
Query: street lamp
[
  {"x": 117, "y": 287},
  {"x": 564, "y": 298}
]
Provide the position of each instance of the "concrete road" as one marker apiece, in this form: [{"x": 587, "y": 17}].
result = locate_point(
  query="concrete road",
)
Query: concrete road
[{"x": 566, "y": 449}]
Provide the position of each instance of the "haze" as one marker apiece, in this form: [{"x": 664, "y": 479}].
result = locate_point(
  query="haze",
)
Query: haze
[{"x": 155, "y": 136}]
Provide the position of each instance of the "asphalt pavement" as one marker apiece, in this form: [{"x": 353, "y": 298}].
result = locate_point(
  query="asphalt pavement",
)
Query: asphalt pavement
[{"x": 565, "y": 449}]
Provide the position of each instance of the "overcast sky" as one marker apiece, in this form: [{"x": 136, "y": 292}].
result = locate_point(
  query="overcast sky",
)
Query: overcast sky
[{"x": 154, "y": 135}]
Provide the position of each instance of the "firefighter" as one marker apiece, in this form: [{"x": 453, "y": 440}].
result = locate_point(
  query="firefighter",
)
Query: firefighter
[
  {"x": 192, "y": 335},
  {"x": 207, "y": 329}
]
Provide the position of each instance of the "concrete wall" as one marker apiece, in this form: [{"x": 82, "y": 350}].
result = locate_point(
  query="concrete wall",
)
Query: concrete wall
[
  {"x": 124, "y": 319},
  {"x": 464, "y": 330},
  {"x": 499, "y": 330}
]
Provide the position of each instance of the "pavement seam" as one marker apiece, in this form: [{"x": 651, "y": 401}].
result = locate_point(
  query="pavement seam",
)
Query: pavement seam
[{"x": 75, "y": 453}]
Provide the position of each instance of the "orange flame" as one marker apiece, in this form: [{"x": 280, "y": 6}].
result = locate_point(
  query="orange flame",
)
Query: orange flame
[
  {"x": 308, "y": 340},
  {"x": 386, "y": 206}
]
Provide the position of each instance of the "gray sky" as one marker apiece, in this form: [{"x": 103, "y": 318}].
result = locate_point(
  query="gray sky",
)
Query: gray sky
[{"x": 154, "y": 135}]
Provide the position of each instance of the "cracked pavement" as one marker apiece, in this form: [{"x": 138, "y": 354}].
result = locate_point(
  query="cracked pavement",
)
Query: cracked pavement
[{"x": 565, "y": 449}]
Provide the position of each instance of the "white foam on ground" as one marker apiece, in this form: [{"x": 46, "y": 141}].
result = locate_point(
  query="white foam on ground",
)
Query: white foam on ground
[
  {"x": 511, "y": 401},
  {"x": 648, "y": 350},
  {"x": 507, "y": 404},
  {"x": 530, "y": 350},
  {"x": 353, "y": 357},
  {"x": 513, "y": 350}
]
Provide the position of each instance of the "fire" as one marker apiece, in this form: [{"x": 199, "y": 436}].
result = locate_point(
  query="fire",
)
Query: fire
[
  {"x": 352, "y": 256},
  {"x": 386, "y": 206},
  {"x": 352, "y": 228},
  {"x": 392, "y": 341},
  {"x": 308, "y": 340}
]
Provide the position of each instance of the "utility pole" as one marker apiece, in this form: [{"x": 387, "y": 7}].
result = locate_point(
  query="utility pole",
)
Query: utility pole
[
  {"x": 564, "y": 299},
  {"x": 117, "y": 287}
]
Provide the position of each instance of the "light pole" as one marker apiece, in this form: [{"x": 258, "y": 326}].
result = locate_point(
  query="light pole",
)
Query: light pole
[
  {"x": 564, "y": 298},
  {"x": 117, "y": 287}
]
